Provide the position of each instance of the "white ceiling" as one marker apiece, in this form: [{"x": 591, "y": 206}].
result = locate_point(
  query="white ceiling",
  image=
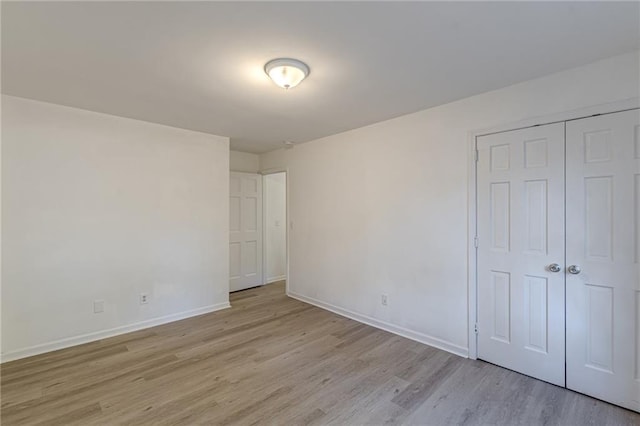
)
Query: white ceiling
[{"x": 199, "y": 65}]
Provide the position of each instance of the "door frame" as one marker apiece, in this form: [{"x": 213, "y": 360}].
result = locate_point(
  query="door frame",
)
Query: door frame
[
  {"x": 472, "y": 224},
  {"x": 264, "y": 173}
]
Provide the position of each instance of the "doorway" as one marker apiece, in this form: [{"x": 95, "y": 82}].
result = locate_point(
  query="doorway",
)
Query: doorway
[
  {"x": 558, "y": 253},
  {"x": 275, "y": 227}
]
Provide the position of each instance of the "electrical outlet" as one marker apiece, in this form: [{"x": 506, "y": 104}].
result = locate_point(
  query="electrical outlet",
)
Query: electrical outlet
[
  {"x": 144, "y": 298},
  {"x": 98, "y": 306},
  {"x": 384, "y": 300}
]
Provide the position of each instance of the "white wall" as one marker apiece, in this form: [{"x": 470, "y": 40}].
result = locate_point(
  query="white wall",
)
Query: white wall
[
  {"x": 384, "y": 208},
  {"x": 274, "y": 192},
  {"x": 101, "y": 207},
  {"x": 244, "y": 162}
]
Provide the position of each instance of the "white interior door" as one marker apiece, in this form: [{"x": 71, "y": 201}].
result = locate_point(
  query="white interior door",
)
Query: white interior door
[
  {"x": 603, "y": 240},
  {"x": 521, "y": 304},
  {"x": 245, "y": 231}
]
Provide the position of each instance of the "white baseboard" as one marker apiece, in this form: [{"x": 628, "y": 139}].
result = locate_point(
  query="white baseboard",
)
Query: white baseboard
[
  {"x": 104, "y": 334},
  {"x": 274, "y": 279},
  {"x": 383, "y": 325}
]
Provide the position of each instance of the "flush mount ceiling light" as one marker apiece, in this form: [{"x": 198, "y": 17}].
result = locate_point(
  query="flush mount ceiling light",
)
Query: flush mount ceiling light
[{"x": 285, "y": 72}]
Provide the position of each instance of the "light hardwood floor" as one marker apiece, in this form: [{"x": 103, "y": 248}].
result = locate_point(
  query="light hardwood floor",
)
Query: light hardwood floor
[{"x": 274, "y": 360}]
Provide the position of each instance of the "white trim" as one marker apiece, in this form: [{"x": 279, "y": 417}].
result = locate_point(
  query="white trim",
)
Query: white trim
[
  {"x": 472, "y": 273},
  {"x": 274, "y": 170},
  {"x": 104, "y": 334},
  {"x": 274, "y": 279},
  {"x": 606, "y": 108},
  {"x": 383, "y": 325},
  {"x": 245, "y": 173},
  {"x": 264, "y": 278}
]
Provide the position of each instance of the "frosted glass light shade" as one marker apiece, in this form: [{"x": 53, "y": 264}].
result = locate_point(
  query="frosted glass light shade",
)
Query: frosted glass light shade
[{"x": 286, "y": 73}]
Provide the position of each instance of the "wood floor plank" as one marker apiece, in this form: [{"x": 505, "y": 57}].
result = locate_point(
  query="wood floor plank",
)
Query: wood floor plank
[{"x": 271, "y": 359}]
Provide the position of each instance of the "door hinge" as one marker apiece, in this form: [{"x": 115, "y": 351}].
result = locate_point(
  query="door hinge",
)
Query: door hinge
[
  {"x": 475, "y": 328},
  {"x": 475, "y": 242},
  {"x": 477, "y": 154}
]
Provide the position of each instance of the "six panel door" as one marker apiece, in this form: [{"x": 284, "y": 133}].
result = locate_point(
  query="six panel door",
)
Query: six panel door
[
  {"x": 603, "y": 257},
  {"x": 245, "y": 231},
  {"x": 520, "y": 189}
]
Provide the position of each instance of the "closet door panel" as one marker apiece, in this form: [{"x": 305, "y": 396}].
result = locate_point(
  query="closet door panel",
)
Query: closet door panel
[
  {"x": 603, "y": 243},
  {"x": 521, "y": 233}
]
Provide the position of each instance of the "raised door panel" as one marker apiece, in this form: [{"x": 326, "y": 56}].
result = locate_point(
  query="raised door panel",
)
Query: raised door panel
[
  {"x": 501, "y": 295},
  {"x": 598, "y": 213},
  {"x": 599, "y": 327},
  {"x": 536, "y": 232},
  {"x": 500, "y": 216},
  {"x": 235, "y": 261},
  {"x": 536, "y": 313},
  {"x": 234, "y": 214}
]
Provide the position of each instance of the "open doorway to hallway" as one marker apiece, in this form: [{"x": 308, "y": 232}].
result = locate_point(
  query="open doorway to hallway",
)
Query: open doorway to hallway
[{"x": 275, "y": 227}]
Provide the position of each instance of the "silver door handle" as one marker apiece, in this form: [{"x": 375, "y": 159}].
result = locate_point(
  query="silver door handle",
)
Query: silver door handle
[
  {"x": 554, "y": 267},
  {"x": 574, "y": 269}
]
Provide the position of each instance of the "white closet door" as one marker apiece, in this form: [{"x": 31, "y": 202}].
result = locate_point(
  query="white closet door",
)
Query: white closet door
[
  {"x": 603, "y": 240},
  {"x": 521, "y": 233},
  {"x": 245, "y": 231}
]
